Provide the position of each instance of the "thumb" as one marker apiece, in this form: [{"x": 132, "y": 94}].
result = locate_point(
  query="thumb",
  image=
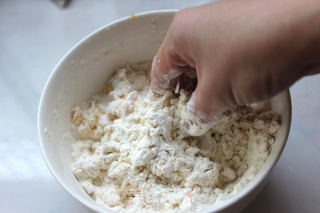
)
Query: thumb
[{"x": 203, "y": 109}]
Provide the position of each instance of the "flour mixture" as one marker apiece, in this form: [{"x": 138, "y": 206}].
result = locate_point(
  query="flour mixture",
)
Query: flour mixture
[{"x": 131, "y": 155}]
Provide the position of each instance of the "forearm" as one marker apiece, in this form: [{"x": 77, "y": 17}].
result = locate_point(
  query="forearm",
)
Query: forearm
[
  {"x": 291, "y": 27},
  {"x": 297, "y": 26}
]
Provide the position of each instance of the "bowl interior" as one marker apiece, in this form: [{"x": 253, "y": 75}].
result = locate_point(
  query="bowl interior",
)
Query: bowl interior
[{"x": 84, "y": 70}]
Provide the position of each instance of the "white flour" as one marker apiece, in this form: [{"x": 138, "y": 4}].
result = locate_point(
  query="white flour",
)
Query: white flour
[{"x": 131, "y": 154}]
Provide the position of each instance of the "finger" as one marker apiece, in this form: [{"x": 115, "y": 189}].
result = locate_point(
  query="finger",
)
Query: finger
[
  {"x": 164, "y": 73},
  {"x": 203, "y": 109},
  {"x": 196, "y": 122}
]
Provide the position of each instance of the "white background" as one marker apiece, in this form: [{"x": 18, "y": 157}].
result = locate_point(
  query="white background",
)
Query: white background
[{"x": 35, "y": 34}]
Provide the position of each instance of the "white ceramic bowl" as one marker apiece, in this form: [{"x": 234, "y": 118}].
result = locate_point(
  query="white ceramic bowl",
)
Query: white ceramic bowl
[{"x": 83, "y": 71}]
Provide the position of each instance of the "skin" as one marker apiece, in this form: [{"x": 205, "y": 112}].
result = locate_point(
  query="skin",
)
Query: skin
[{"x": 240, "y": 51}]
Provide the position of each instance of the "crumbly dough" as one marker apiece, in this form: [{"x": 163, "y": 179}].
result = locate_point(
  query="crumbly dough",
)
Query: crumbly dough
[{"x": 132, "y": 155}]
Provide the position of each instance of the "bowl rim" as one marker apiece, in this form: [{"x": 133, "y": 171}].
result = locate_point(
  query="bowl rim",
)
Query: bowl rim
[{"x": 227, "y": 203}]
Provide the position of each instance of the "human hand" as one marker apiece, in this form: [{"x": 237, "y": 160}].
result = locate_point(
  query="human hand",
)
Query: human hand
[{"x": 241, "y": 52}]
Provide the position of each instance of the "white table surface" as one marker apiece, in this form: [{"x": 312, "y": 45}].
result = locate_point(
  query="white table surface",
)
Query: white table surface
[{"x": 35, "y": 34}]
